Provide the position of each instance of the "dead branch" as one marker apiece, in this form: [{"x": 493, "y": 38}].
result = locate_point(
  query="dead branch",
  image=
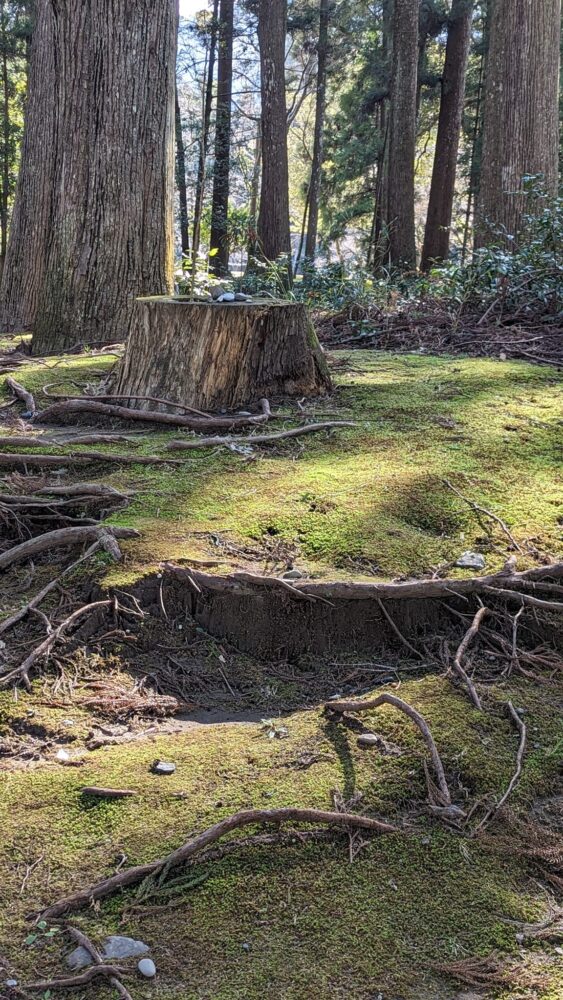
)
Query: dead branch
[
  {"x": 27, "y": 441},
  {"x": 23, "y": 394},
  {"x": 103, "y": 398},
  {"x": 418, "y": 719},
  {"x": 247, "y": 817},
  {"x": 72, "y": 458},
  {"x": 85, "y": 942},
  {"x": 483, "y": 510},
  {"x": 35, "y": 601},
  {"x": 59, "y": 538},
  {"x": 109, "y": 971},
  {"x": 79, "y": 489},
  {"x": 229, "y": 442},
  {"x": 58, "y": 410},
  {"x": 462, "y": 648},
  {"x": 534, "y": 602},
  {"x": 108, "y": 793},
  {"x": 521, "y": 727},
  {"x": 21, "y": 673}
]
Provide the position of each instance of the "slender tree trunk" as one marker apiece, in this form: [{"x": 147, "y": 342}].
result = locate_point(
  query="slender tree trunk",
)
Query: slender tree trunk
[
  {"x": 273, "y": 220},
  {"x": 205, "y": 128},
  {"x": 252, "y": 241},
  {"x": 520, "y": 136},
  {"x": 26, "y": 252},
  {"x": 402, "y": 134},
  {"x": 220, "y": 202},
  {"x": 442, "y": 189},
  {"x": 6, "y": 141},
  {"x": 474, "y": 166},
  {"x": 320, "y": 106},
  {"x": 181, "y": 179}
]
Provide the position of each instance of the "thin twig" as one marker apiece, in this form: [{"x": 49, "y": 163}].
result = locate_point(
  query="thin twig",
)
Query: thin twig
[
  {"x": 467, "y": 639},
  {"x": 396, "y": 629},
  {"x": 521, "y": 727},
  {"x": 483, "y": 510},
  {"x": 230, "y": 442}
]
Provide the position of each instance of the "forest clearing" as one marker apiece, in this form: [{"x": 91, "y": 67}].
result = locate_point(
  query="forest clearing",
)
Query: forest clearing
[{"x": 281, "y": 579}]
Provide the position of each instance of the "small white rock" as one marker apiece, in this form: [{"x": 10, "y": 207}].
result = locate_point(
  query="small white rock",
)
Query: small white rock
[
  {"x": 147, "y": 968},
  {"x": 62, "y": 755},
  {"x": 227, "y": 297},
  {"x": 11, "y": 982}
]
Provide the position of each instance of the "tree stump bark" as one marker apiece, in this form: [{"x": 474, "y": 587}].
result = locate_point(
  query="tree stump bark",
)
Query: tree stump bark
[{"x": 220, "y": 356}]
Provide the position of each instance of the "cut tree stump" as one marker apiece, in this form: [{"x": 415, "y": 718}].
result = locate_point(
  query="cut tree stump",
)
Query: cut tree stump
[{"x": 220, "y": 356}]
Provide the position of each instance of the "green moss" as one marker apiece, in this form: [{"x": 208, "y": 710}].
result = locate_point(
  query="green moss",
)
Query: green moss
[
  {"x": 316, "y": 925},
  {"x": 370, "y": 495}
]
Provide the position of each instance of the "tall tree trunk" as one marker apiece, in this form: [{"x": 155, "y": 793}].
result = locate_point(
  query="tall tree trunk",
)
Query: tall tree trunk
[
  {"x": 273, "y": 219},
  {"x": 520, "y": 135},
  {"x": 253, "y": 201},
  {"x": 181, "y": 179},
  {"x": 111, "y": 224},
  {"x": 205, "y": 128},
  {"x": 320, "y": 105},
  {"x": 402, "y": 134},
  {"x": 6, "y": 139},
  {"x": 26, "y": 252},
  {"x": 220, "y": 202},
  {"x": 442, "y": 189}
]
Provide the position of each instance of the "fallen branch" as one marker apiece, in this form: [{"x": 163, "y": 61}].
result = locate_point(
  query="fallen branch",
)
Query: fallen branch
[
  {"x": 27, "y": 441},
  {"x": 483, "y": 510},
  {"x": 81, "y": 489},
  {"x": 419, "y": 721},
  {"x": 103, "y": 398},
  {"x": 131, "y": 876},
  {"x": 59, "y": 538},
  {"x": 57, "y": 410},
  {"x": 25, "y": 396},
  {"x": 97, "y": 959},
  {"x": 108, "y": 793},
  {"x": 35, "y": 601},
  {"x": 71, "y": 458},
  {"x": 534, "y": 602},
  {"x": 521, "y": 727},
  {"x": 462, "y": 648},
  {"x": 229, "y": 442},
  {"x": 66, "y": 983},
  {"x": 21, "y": 673}
]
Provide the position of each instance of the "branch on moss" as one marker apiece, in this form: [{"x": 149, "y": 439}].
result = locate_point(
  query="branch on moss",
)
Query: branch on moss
[
  {"x": 521, "y": 727},
  {"x": 419, "y": 721},
  {"x": 68, "y": 982},
  {"x": 58, "y": 410},
  {"x": 23, "y": 394},
  {"x": 79, "y": 458},
  {"x": 463, "y": 646},
  {"x": 131, "y": 876},
  {"x": 230, "y": 442}
]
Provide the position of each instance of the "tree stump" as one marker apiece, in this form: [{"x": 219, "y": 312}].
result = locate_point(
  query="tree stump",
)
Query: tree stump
[{"x": 220, "y": 355}]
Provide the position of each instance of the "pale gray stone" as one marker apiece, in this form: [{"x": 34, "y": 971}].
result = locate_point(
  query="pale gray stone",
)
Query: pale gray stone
[
  {"x": 471, "y": 560},
  {"x": 147, "y": 968}
]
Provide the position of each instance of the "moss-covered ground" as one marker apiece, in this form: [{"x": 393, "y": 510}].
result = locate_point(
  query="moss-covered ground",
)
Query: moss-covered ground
[
  {"x": 298, "y": 921},
  {"x": 367, "y": 500}
]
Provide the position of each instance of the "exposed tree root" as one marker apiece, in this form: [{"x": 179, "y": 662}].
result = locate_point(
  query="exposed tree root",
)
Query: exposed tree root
[
  {"x": 85, "y": 942},
  {"x": 61, "y": 538},
  {"x": 79, "y": 458},
  {"x": 467, "y": 639},
  {"x": 521, "y": 727},
  {"x": 58, "y": 410},
  {"x": 21, "y": 673},
  {"x": 23, "y": 394},
  {"x": 108, "y": 793},
  {"x": 230, "y": 442},
  {"x": 81, "y": 979},
  {"x": 340, "y": 707},
  {"x": 27, "y": 441},
  {"x": 131, "y": 876}
]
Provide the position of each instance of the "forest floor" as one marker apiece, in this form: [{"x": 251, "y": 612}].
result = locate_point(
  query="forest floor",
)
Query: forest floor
[{"x": 430, "y": 911}]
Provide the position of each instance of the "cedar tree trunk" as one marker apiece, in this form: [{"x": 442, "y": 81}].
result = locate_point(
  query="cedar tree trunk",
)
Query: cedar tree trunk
[
  {"x": 24, "y": 267},
  {"x": 402, "y": 134},
  {"x": 109, "y": 228},
  {"x": 204, "y": 141},
  {"x": 320, "y": 105},
  {"x": 520, "y": 135},
  {"x": 220, "y": 201},
  {"x": 442, "y": 189},
  {"x": 273, "y": 219}
]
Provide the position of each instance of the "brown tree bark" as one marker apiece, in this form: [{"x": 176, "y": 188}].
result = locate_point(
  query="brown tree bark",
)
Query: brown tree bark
[
  {"x": 205, "y": 128},
  {"x": 109, "y": 227},
  {"x": 520, "y": 135},
  {"x": 273, "y": 219},
  {"x": 181, "y": 178},
  {"x": 220, "y": 200},
  {"x": 320, "y": 105},
  {"x": 402, "y": 134},
  {"x": 221, "y": 355},
  {"x": 442, "y": 189},
  {"x": 24, "y": 266}
]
